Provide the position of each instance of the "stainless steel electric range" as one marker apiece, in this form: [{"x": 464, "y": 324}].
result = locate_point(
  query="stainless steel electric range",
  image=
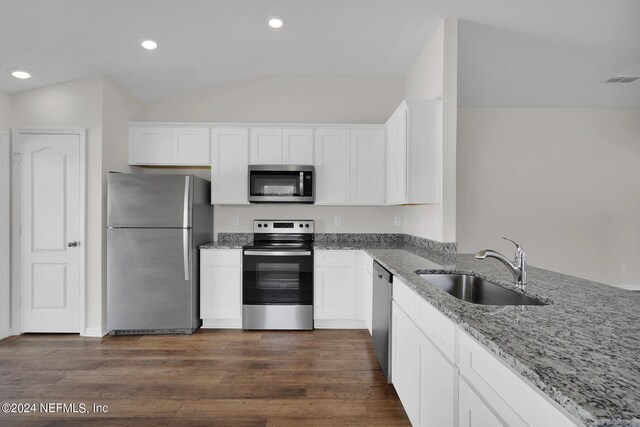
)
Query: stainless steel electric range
[{"x": 277, "y": 277}]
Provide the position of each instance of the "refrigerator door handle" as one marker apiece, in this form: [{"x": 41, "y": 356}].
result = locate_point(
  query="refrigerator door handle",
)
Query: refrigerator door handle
[
  {"x": 185, "y": 218},
  {"x": 185, "y": 249}
]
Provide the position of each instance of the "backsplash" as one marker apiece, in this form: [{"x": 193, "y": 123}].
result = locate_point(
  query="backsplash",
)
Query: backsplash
[{"x": 387, "y": 239}]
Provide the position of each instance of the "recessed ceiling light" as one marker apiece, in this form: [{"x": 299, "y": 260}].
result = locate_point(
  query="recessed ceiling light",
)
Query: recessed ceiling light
[
  {"x": 149, "y": 43},
  {"x": 276, "y": 22},
  {"x": 20, "y": 74}
]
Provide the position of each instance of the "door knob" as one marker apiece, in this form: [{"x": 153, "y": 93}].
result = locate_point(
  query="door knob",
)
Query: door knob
[{"x": 73, "y": 244}]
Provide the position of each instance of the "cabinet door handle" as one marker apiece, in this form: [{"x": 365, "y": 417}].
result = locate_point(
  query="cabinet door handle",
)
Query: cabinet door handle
[{"x": 73, "y": 244}]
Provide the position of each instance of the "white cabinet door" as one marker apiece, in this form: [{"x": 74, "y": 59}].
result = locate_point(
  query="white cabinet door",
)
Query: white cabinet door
[
  {"x": 229, "y": 166},
  {"x": 338, "y": 296},
  {"x": 266, "y": 146},
  {"x": 221, "y": 288},
  {"x": 297, "y": 146},
  {"x": 150, "y": 146},
  {"x": 397, "y": 158},
  {"x": 438, "y": 383},
  {"x": 335, "y": 293},
  {"x": 405, "y": 362},
  {"x": 473, "y": 412},
  {"x": 190, "y": 146},
  {"x": 367, "y": 167},
  {"x": 332, "y": 166}
]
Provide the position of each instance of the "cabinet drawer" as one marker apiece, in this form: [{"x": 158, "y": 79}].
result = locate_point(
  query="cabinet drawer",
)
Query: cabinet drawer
[
  {"x": 335, "y": 258},
  {"x": 404, "y": 296},
  {"x": 436, "y": 326},
  {"x": 518, "y": 402},
  {"x": 221, "y": 256}
]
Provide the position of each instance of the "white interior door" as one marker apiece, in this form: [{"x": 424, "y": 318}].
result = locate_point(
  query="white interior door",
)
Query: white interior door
[{"x": 50, "y": 231}]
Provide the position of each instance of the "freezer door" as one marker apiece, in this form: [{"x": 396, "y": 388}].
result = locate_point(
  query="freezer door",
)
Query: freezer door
[
  {"x": 138, "y": 200},
  {"x": 150, "y": 282}
]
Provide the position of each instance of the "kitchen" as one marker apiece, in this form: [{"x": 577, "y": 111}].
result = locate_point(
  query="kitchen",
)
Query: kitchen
[{"x": 533, "y": 154}]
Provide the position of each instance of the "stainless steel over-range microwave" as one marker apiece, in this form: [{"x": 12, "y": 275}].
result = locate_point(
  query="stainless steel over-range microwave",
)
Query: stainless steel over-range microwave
[{"x": 281, "y": 184}]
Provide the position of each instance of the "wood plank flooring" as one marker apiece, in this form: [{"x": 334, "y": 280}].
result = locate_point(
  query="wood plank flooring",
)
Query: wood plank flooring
[{"x": 212, "y": 378}]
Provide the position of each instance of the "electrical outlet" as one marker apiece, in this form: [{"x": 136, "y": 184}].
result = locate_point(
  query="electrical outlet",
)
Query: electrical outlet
[
  {"x": 623, "y": 266},
  {"x": 235, "y": 220},
  {"x": 396, "y": 221},
  {"x": 337, "y": 221}
]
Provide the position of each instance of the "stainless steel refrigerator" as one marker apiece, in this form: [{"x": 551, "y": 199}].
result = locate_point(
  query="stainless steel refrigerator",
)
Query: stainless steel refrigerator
[{"x": 155, "y": 224}]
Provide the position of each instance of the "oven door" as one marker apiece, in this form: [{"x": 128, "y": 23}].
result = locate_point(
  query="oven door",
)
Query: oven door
[{"x": 277, "y": 276}]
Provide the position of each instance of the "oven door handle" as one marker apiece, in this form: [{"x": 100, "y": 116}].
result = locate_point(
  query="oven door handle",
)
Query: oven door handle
[{"x": 278, "y": 253}]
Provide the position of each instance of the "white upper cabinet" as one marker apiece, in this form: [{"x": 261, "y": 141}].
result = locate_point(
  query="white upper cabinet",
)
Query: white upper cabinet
[
  {"x": 332, "y": 163},
  {"x": 150, "y": 146},
  {"x": 350, "y": 166},
  {"x": 414, "y": 135},
  {"x": 297, "y": 146},
  {"x": 169, "y": 145},
  {"x": 266, "y": 146},
  {"x": 367, "y": 167},
  {"x": 190, "y": 146},
  {"x": 229, "y": 166},
  {"x": 277, "y": 146}
]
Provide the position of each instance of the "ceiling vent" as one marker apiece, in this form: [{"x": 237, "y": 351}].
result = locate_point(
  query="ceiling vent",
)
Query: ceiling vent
[{"x": 625, "y": 79}]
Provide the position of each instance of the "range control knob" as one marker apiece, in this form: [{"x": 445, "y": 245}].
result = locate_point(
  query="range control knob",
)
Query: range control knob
[
  {"x": 266, "y": 225},
  {"x": 300, "y": 225},
  {"x": 306, "y": 225},
  {"x": 259, "y": 225}
]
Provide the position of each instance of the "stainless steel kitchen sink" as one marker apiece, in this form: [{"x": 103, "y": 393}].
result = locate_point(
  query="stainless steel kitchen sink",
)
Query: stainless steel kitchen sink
[{"x": 477, "y": 290}]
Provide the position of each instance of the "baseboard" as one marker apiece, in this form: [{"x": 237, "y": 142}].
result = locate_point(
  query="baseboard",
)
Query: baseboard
[
  {"x": 221, "y": 323},
  {"x": 339, "y": 324},
  {"x": 94, "y": 332}
]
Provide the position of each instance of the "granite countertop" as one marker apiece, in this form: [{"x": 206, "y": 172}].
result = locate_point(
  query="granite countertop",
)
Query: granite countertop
[{"x": 582, "y": 349}]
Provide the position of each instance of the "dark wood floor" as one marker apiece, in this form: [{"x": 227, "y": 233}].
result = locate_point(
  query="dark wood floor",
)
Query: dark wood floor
[{"x": 225, "y": 378}]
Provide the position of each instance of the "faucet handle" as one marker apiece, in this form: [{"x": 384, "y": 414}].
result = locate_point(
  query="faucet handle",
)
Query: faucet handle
[{"x": 519, "y": 249}]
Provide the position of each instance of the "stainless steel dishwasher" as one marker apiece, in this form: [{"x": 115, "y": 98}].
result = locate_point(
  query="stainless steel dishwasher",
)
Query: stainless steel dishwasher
[{"x": 381, "y": 331}]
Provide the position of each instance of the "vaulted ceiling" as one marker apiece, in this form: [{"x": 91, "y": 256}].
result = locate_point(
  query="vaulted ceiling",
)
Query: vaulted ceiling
[{"x": 511, "y": 53}]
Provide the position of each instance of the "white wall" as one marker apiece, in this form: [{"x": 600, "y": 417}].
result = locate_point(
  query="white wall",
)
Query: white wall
[
  {"x": 5, "y": 232},
  {"x": 5, "y": 236},
  {"x": 434, "y": 75},
  {"x": 564, "y": 183},
  {"x": 289, "y": 99},
  {"x": 284, "y": 99},
  {"x": 354, "y": 219},
  {"x": 118, "y": 107},
  {"x": 75, "y": 104},
  {"x": 5, "y": 112}
]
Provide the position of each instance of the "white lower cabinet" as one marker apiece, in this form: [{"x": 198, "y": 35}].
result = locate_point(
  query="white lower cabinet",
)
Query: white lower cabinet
[
  {"x": 473, "y": 411},
  {"x": 221, "y": 288},
  {"x": 445, "y": 378},
  {"x": 338, "y": 297},
  {"x": 405, "y": 368},
  {"x": 425, "y": 379},
  {"x": 506, "y": 394}
]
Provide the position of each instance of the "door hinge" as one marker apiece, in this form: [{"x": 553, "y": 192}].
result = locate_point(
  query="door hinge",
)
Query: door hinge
[{"x": 17, "y": 157}]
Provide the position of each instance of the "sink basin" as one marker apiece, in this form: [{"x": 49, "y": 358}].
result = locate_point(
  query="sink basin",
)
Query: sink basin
[{"x": 477, "y": 290}]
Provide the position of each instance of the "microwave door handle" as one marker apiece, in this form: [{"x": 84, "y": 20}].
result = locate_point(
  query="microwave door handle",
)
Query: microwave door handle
[{"x": 302, "y": 183}]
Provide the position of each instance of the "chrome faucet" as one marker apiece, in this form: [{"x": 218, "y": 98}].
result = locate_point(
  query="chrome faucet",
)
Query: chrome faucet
[{"x": 517, "y": 268}]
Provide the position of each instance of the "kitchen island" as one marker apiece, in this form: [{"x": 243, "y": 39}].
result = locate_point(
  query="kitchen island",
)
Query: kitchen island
[{"x": 582, "y": 349}]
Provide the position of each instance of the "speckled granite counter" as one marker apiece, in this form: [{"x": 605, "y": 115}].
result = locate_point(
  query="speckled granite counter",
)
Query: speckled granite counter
[{"x": 582, "y": 350}]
